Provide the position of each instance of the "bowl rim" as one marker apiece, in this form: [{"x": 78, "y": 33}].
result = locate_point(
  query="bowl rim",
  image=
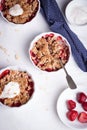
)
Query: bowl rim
[
  {"x": 12, "y": 23},
  {"x": 37, "y": 38},
  {"x": 69, "y": 7},
  {"x": 19, "y": 68}
]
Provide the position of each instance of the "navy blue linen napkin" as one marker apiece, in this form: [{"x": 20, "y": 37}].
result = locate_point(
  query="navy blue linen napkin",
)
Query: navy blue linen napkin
[{"x": 57, "y": 23}]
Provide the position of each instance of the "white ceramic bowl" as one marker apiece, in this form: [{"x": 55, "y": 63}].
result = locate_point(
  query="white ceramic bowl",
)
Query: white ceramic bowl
[
  {"x": 76, "y": 12},
  {"x": 12, "y": 23},
  {"x": 44, "y": 34},
  {"x": 22, "y": 68}
]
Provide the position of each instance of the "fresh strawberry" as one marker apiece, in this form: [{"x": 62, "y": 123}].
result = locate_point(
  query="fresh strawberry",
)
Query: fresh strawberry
[
  {"x": 84, "y": 105},
  {"x": 72, "y": 115},
  {"x": 71, "y": 104},
  {"x": 82, "y": 117},
  {"x": 81, "y": 97},
  {"x": 4, "y": 73}
]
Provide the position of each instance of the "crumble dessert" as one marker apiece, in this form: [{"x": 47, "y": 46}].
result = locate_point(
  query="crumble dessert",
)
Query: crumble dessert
[
  {"x": 20, "y": 11},
  {"x": 47, "y": 50},
  {"x": 16, "y": 87}
]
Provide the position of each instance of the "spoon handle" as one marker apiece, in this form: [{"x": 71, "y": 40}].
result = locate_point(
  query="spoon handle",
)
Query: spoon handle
[
  {"x": 70, "y": 82},
  {"x": 69, "y": 79}
]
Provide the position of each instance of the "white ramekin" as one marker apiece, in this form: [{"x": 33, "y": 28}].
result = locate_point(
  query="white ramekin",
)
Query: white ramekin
[{"x": 37, "y": 38}]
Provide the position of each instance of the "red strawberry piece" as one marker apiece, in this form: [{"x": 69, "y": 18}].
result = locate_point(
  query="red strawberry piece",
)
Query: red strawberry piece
[
  {"x": 81, "y": 97},
  {"x": 82, "y": 117},
  {"x": 30, "y": 92},
  {"x": 4, "y": 73},
  {"x": 72, "y": 115},
  {"x": 84, "y": 105},
  {"x": 0, "y": 7},
  {"x": 41, "y": 65},
  {"x": 31, "y": 84},
  {"x": 1, "y": 4},
  {"x": 71, "y": 104},
  {"x": 18, "y": 104},
  {"x": 59, "y": 38},
  {"x": 46, "y": 36},
  {"x": 32, "y": 54},
  {"x": 35, "y": 60},
  {"x": 49, "y": 69},
  {"x": 51, "y": 34}
]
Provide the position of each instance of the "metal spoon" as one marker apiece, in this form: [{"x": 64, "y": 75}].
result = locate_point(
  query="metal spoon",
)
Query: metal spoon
[{"x": 69, "y": 79}]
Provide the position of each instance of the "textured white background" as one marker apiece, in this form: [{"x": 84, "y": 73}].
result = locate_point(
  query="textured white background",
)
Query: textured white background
[{"x": 40, "y": 112}]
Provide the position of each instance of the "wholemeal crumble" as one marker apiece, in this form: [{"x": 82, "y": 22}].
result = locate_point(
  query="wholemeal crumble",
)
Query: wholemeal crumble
[
  {"x": 12, "y": 78},
  {"x": 20, "y": 11},
  {"x": 47, "y": 51}
]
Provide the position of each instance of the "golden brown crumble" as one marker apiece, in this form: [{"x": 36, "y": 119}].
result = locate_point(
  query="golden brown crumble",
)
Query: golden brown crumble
[
  {"x": 46, "y": 52},
  {"x": 25, "y": 83},
  {"x": 30, "y": 8}
]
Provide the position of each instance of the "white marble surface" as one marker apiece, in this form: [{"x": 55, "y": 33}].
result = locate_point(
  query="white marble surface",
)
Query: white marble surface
[{"x": 40, "y": 112}]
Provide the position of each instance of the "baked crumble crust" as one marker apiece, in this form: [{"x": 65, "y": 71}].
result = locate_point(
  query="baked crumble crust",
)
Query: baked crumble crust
[
  {"x": 30, "y": 8},
  {"x": 26, "y": 86},
  {"x": 46, "y": 52}
]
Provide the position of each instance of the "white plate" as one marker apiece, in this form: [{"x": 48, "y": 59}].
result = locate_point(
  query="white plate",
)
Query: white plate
[
  {"x": 76, "y": 12},
  {"x": 69, "y": 94}
]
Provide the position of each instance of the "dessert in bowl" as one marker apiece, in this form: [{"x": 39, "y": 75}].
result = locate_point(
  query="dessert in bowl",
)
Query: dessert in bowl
[
  {"x": 19, "y": 11},
  {"x": 16, "y": 86},
  {"x": 47, "y": 49}
]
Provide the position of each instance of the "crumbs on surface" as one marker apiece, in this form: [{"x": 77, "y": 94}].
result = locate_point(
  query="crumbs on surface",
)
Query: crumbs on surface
[
  {"x": 4, "y": 50},
  {"x": 17, "y": 30},
  {"x": 0, "y": 33},
  {"x": 46, "y": 109},
  {"x": 17, "y": 57},
  {"x": 42, "y": 88}
]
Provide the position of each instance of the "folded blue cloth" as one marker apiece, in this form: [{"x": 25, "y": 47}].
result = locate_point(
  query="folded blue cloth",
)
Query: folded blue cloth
[{"x": 57, "y": 23}]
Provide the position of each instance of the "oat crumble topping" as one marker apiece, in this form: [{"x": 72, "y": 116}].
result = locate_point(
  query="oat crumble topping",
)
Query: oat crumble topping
[
  {"x": 26, "y": 86},
  {"x": 30, "y": 8},
  {"x": 46, "y": 52}
]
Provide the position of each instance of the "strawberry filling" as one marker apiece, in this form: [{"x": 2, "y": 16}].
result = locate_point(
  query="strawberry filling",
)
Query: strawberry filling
[
  {"x": 49, "y": 69},
  {"x": 49, "y": 35},
  {"x": 4, "y": 73},
  {"x": 59, "y": 38},
  {"x": 32, "y": 54},
  {"x": 47, "y": 51}
]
